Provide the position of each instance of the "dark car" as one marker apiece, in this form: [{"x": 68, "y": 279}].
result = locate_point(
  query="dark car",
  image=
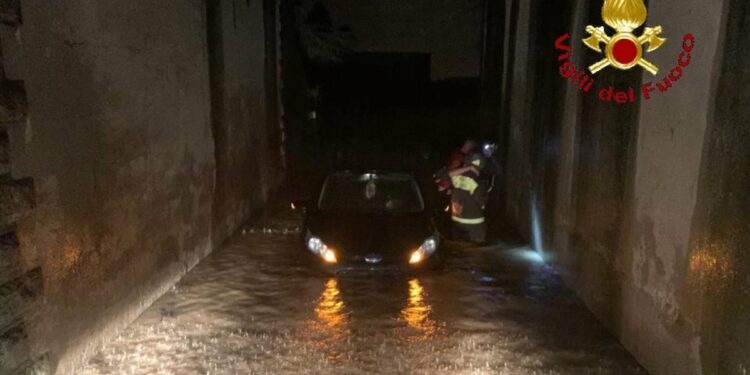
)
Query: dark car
[{"x": 367, "y": 221}]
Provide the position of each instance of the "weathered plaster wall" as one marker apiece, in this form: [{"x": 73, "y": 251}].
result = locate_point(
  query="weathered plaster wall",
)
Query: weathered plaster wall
[
  {"x": 140, "y": 151},
  {"x": 715, "y": 294},
  {"x": 246, "y": 168},
  {"x": 518, "y": 103},
  {"x": 448, "y": 29},
  {"x": 606, "y": 135},
  {"x": 296, "y": 103},
  {"x": 641, "y": 205},
  {"x": 670, "y": 147},
  {"x": 118, "y": 144}
]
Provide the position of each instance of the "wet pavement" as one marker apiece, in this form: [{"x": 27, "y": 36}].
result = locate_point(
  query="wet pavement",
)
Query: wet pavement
[{"x": 254, "y": 307}]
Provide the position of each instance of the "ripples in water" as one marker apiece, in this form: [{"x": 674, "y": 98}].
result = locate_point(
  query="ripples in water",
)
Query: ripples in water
[{"x": 254, "y": 308}]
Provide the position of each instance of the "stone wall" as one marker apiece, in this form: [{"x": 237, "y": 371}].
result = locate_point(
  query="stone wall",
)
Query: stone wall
[
  {"x": 21, "y": 283},
  {"x": 114, "y": 177},
  {"x": 641, "y": 205}
]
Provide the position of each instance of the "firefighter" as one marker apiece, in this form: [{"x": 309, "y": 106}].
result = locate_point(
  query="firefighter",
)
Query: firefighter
[
  {"x": 467, "y": 201},
  {"x": 456, "y": 161}
]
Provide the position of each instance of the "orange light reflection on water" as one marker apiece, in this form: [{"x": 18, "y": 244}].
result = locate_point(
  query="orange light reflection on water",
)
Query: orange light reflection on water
[
  {"x": 331, "y": 328},
  {"x": 330, "y": 308},
  {"x": 417, "y": 313}
]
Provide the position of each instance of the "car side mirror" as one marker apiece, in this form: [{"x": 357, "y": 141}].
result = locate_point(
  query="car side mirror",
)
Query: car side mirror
[{"x": 300, "y": 205}]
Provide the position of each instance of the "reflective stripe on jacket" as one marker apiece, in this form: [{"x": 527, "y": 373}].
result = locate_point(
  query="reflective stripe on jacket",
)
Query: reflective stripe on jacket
[
  {"x": 464, "y": 183},
  {"x": 461, "y": 220}
]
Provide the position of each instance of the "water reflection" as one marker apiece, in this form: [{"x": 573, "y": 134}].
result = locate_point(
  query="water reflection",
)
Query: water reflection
[
  {"x": 330, "y": 308},
  {"x": 249, "y": 310},
  {"x": 332, "y": 324},
  {"x": 417, "y": 312}
]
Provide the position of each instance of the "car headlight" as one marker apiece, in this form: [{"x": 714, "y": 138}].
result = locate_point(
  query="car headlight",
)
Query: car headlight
[
  {"x": 426, "y": 250},
  {"x": 316, "y": 245},
  {"x": 416, "y": 256},
  {"x": 328, "y": 255},
  {"x": 429, "y": 245}
]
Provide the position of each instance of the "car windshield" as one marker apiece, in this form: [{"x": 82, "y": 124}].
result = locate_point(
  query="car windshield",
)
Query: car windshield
[{"x": 370, "y": 193}]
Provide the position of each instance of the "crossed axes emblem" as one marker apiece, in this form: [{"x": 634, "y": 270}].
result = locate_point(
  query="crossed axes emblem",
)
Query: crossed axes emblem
[{"x": 624, "y": 50}]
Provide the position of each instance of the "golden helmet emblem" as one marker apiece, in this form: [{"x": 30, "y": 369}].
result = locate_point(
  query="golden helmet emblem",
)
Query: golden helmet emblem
[{"x": 624, "y": 50}]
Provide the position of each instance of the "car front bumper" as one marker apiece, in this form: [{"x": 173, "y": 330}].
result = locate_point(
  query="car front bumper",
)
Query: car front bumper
[{"x": 347, "y": 266}]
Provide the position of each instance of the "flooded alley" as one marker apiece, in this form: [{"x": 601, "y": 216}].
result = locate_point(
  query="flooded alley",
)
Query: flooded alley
[
  {"x": 255, "y": 308},
  {"x": 229, "y": 187}
]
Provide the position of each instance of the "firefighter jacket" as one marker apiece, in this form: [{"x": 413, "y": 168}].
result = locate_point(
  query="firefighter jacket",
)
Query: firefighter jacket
[{"x": 468, "y": 199}]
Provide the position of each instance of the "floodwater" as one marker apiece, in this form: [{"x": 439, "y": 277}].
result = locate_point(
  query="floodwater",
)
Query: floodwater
[{"x": 254, "y": 307}]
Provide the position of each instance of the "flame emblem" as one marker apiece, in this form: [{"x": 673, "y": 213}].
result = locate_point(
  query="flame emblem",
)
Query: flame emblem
[{"x": 624, "y": 50}]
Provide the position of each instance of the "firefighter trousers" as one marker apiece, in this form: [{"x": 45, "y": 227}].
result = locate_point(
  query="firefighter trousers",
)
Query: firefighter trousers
[{"x": 476, "y": 233}]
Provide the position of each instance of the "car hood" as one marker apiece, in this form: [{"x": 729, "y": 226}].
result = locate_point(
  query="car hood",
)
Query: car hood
[{"x": 353, "y": 235}]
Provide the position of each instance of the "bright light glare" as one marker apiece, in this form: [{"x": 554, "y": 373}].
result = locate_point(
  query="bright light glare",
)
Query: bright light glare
[
  {"x": 536, "y": 226},
  {"x": 315, "y": 245},
  {"x": 329, "y": 256},
  {"x": 533, "y": 256},
  {"x": 292, "y": 206},
  {"x": 528, "y": 254},
  {"x": 429, "y": 245},
  {"x": 416, "y": 256}
]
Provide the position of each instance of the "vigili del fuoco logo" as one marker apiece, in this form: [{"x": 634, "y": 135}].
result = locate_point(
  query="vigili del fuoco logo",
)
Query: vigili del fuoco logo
[{"x": 623, "y": 50}]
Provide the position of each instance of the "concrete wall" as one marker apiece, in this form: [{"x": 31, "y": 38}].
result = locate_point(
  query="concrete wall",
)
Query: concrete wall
[
  {"x": 670, "y": 148},
  {"x": 450, "y": 30},
  {"x": 715, "y": 293},
  {"x": 113, "y": 181},
  {"x": 641, "y": 205},
  {"x": 246, "y": 168}
]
